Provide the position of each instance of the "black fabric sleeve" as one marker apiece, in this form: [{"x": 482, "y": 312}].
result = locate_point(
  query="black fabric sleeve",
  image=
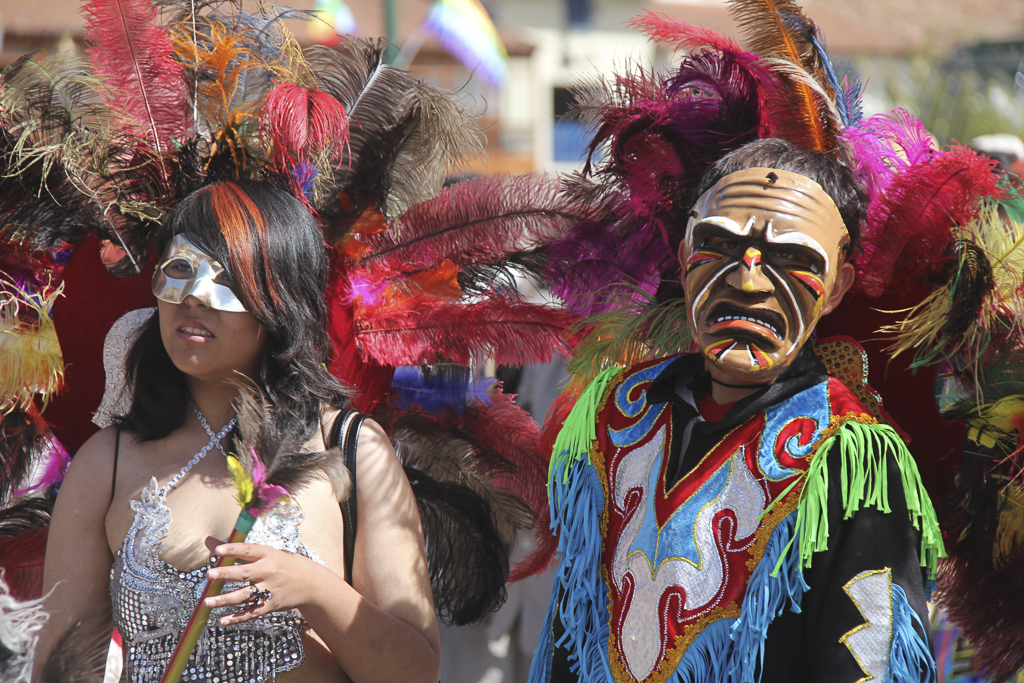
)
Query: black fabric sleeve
[{"x": 806, "y": 646}]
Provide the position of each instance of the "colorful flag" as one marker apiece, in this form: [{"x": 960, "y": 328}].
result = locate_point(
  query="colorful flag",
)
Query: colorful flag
[
  {"x": 333, "y": 17},
  {"x": 465, "y": 30}
]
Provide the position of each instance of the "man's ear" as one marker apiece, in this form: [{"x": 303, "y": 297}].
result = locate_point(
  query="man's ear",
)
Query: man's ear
[{"x": 844, "y": 280}]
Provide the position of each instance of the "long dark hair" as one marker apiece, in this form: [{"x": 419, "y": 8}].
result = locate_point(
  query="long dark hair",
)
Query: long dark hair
[{"x": 274, "y": 252}]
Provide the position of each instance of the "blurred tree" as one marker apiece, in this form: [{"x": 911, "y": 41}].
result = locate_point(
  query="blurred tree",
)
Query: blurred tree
[{"x": 972, "y": 93}]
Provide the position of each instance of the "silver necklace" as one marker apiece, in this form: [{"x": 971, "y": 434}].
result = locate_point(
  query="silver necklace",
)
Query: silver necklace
[{"x": 214, "y": 442}]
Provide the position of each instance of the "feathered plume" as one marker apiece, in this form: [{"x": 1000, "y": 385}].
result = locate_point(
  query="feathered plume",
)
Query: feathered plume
[
  {"x": 804, "y": 111},
  {"x": 23, "y": 533},
  {"x": 680, "y": 35},
  {"x": 269, "y": 458},
  {"x": 477, "y": 221},
  {"x": 967, "y": 590},
  {"x": 907, "y": 234},
  {"x": 406, "y": 136},
  {"x": 80, "y": 655},
  {"x": 30, "y": 359},
  {"x": 47, "y": 145},
  {"x": 307, "y": 130},
  {"x": 660, "y": 134},
  {"x": 134, "y": 55},
  {"x": 884, "y": 145},
  {"x": 23, "y": 442},
  {"x": 640, "y": 329},
  {"x": 476, "y": 488},
  {"x": 510, "y": 331},
  {"x": 595, "y": 269},
  {"x": 20, "y": 623}
]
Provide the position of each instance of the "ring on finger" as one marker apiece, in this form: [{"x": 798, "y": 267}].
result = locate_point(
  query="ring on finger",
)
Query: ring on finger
[{"x": 257, "y": 597}]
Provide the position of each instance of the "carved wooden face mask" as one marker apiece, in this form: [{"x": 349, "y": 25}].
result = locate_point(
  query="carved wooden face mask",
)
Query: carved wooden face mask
[{"x": 760, "y": 260}]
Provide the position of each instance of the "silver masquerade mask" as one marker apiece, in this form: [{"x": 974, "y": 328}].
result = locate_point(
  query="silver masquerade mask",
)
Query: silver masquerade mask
[{"x": 187, "y": 270}]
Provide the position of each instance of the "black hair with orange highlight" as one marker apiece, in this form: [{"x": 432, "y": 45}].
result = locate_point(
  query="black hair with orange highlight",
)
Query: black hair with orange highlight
[{"x": 274, "y": 252}]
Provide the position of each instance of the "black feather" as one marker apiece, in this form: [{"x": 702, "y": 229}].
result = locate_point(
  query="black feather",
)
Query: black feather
[
  {"x": 22, "y": 440},
  {"x": 467, "y": 557}
]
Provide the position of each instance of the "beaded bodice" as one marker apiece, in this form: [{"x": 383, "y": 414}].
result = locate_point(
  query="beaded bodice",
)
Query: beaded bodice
[{"x": 152, "y": 602}]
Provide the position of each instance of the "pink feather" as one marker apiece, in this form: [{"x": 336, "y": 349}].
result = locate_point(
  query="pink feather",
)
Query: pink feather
[
  {"x": 302, "y": 123},
  {"x": 133, "y": 54},
  {"x": 265, "y": 496},
  {"x": 884, "y": 145},
  {"x": 662, "y": 28}
]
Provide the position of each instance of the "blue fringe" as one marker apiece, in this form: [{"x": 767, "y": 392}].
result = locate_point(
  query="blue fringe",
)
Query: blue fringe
[
  {"x": 705, "y": 659},
  {"x": 576, "y": 505},
  {"x": 910, "y": 658},
  {"x": 777, "y": 583}
]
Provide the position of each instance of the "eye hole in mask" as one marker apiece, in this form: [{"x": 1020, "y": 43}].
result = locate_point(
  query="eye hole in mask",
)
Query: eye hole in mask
[{"x": 188, "y": 270}]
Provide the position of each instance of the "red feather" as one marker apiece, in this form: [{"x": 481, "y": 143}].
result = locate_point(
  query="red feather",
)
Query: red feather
[
  {"x": 515, "y": 440},
  {"x": 302, "y": 124},
  {"x": 908, "y": 231},
  {"x": 371, "y": 382},
  {"x": 662, "y": 28},
  {"x": 547, "y": 542},
  {"x": 477, "y": 221},
  {"x": 135, "y": 56},
  {"x": 510, "y": 331}
]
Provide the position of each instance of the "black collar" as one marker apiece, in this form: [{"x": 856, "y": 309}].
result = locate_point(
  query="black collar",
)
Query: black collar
[{"x": 804, "y": 372}]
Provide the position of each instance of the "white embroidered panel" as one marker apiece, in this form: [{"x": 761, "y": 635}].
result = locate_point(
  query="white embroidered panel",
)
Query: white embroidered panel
[
  {"x": 647, "y": 552},
  {"x": 871, "y": 592}
]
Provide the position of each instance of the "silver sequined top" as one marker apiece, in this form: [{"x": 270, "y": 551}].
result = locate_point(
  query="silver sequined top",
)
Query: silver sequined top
[{"x": 152, "y": 602}]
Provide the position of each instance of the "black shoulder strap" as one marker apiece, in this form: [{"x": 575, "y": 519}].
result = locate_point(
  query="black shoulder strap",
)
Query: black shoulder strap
[{"x": 345, "y": 435}]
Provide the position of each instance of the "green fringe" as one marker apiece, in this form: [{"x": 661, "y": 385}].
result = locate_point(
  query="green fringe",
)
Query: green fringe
[
  {"x": 580, "y": 427},
  {"x": 864, "y": 481}
]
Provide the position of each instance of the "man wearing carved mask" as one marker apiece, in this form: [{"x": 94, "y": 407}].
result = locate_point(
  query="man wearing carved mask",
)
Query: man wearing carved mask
[{"x": 759, "y": 521}]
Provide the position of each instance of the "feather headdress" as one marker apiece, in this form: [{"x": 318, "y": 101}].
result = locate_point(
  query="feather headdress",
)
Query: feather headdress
[
  {"x": 938, "y": 266},
  {"x": 421, "y": 276}
]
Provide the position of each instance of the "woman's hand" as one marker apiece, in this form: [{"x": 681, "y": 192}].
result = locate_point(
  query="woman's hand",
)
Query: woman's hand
[{"x": 285, "y": 579}]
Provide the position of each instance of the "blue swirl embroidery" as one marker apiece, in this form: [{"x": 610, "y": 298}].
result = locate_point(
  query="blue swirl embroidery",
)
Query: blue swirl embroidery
[
  {"x": 811, "y": 404},
  {"x": 634, "y": 408}
]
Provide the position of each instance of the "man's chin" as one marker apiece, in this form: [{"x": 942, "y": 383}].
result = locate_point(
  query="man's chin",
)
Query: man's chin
[{"x": 745, "y": 360}]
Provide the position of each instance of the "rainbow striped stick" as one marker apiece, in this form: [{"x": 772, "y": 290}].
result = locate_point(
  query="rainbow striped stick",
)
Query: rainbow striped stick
[{"x": 256, "y": 496}]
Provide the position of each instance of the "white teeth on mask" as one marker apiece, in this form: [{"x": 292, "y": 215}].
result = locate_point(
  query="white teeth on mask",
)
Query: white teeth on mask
[
  {"x": 758, "y": 321},
  {"x": 196, "y": 331}
]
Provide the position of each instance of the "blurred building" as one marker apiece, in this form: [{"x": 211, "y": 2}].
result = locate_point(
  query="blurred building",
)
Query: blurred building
[{"x": 555, "y": 46}]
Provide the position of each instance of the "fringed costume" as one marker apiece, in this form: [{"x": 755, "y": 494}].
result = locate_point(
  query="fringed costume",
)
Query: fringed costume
[
  {"x": 790, "y": 535},
  {"x": 177, "y": 95}
]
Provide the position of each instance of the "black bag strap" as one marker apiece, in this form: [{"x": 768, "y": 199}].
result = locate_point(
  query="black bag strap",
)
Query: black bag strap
[{"x": 345, "y": 435}]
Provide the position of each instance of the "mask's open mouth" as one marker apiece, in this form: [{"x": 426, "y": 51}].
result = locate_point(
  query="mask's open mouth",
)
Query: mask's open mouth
[{"x": 760, "y": 322}]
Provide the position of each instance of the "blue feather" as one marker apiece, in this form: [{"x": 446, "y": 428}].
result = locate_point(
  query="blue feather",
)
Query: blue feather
[
  {"x": 438, "y": 389},
  {"x": 810, "y": 33}
]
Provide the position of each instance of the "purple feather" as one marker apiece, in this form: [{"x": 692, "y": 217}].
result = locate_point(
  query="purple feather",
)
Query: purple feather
[
  {"x": 662, "y": 136},
  {"x": 595, "y": 269}
]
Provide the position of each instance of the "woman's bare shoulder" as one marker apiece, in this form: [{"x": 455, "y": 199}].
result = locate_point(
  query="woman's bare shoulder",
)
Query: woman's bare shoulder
[{"x": 92, "y": 468}]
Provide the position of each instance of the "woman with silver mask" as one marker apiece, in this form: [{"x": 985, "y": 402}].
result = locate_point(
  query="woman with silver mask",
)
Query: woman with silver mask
[{"x": 136, "y": 526}]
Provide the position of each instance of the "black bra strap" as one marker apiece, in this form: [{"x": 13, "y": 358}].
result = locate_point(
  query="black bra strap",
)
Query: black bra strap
[
  {"x": 113, "y": 478},
  {"x": 345, "y": 435}
]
